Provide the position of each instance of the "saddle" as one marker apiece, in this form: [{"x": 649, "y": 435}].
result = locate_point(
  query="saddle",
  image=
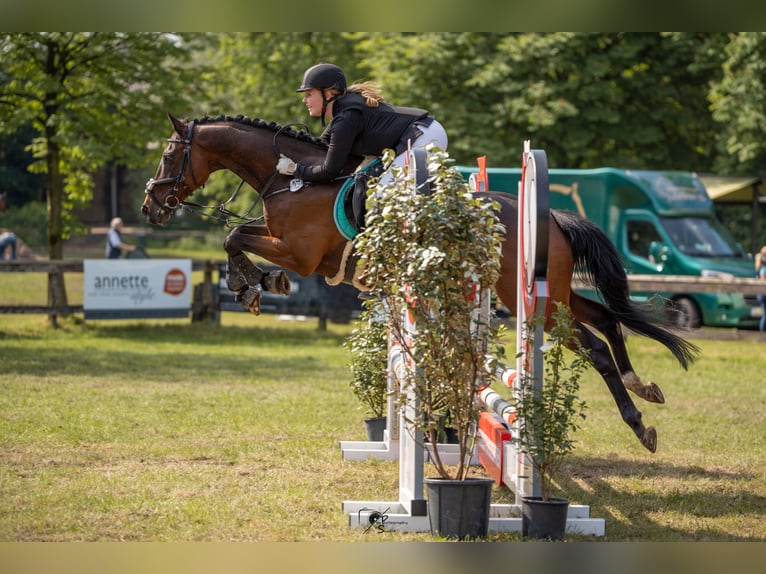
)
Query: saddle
[
  {"x": 350, "y": 208},
  {"x": 350, "y": 204},
  {"x": 350, "y": 211}
]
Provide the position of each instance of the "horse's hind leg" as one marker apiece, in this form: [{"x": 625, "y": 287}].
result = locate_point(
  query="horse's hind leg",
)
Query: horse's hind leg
[
  {"x": 602, "y": 361},
  {"x": 598, "y": 316}
]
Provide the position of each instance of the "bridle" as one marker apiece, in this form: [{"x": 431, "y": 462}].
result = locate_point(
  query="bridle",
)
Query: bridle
[
  {"x": 172, "y": 201},
  {"x": 232, "y": 219}
]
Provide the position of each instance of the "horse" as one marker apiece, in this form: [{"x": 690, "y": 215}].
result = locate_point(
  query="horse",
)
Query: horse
[
  {"x": 3, "y": 203},
  {"x": 299, "y": 233}
]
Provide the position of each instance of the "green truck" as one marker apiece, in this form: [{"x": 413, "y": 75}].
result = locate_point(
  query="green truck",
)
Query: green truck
[{"x": 662, "y": 222}]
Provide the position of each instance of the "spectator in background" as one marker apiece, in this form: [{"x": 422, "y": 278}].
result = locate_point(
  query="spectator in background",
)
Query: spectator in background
[
  {"x": 7, "y": 239},
  {"x": 760, "y": 270},
  {"x": 114, "y": 243}
]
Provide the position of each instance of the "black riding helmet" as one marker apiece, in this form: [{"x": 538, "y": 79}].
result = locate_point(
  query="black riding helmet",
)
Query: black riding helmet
[{"x": 323, "y": 76}]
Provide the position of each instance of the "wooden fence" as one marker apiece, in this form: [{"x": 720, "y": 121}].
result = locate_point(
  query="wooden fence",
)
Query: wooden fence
[{"x": 207, "y": 305}]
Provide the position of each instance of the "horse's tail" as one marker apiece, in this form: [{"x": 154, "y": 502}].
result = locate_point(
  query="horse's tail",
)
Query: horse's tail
[{"x": 598, "y": 262}]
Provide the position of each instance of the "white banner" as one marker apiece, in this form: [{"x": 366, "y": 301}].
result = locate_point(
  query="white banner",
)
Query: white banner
[{"x": 136, "y": 288}]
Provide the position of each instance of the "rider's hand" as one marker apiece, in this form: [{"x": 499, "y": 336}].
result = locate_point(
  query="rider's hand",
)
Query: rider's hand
[{"x": 285, "y": 165}]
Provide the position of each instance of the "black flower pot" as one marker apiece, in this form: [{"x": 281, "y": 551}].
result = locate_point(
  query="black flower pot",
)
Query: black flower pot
[
  {"x": 459, "y": 508},
  {"x": 375, "y": 427},
  {"x": 544, "y": 518}
]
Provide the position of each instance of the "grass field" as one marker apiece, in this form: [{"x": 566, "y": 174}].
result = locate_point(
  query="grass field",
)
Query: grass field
[{"x": 172, "y": 431}]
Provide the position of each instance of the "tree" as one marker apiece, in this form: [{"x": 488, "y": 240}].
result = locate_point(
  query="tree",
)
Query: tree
[
  {"x": 92, "y": 98},
  {"x": 256, "y": 73},
  {"x": 630, "y": 100},
  {"x": 739, "y": 104},
  {"x": 21, "y": 185}
]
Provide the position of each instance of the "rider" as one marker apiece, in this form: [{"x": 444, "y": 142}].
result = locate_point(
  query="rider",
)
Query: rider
[{"x": 360, "y": 123}]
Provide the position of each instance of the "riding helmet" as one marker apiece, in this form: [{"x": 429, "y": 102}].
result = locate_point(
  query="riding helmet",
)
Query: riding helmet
[{"x": 323, "y": 76}]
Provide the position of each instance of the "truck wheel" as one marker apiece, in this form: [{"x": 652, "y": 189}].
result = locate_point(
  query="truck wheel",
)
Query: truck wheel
[{"x": 685, "y": 314}]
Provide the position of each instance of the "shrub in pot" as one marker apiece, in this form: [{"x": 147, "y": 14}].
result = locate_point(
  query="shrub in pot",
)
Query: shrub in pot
[
  {"x": 439, "y": 247},
  {"x": 548, "y": 418},
  {"x": 368, "y": 344}
]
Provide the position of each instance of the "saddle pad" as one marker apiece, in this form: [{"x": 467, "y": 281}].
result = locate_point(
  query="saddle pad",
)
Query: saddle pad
[
  {"x": 342, "y": 222},
  {"x": 343, "y": 212}
]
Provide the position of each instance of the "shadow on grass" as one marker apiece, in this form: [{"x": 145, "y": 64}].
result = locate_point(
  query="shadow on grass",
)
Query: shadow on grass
[
  {"x": 684, "y": 494},
  {"x": 183, "y": 352}
]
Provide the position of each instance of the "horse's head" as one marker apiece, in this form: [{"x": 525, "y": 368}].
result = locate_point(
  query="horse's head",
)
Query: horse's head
[{"x": 177, "y": 176}]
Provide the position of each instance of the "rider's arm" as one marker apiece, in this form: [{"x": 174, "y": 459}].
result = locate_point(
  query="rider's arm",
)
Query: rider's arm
[{"x": 343, "y": 130}]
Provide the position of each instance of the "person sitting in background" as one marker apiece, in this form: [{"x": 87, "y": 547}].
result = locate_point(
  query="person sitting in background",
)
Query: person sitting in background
[
  {"x": 7, "y": 239},
  {"x": 114, "y": 243},
  {"x": 760, "y": 270}
]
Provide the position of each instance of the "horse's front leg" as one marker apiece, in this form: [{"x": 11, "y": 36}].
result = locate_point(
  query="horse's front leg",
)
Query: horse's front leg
[{"x": 246, "y": 279}]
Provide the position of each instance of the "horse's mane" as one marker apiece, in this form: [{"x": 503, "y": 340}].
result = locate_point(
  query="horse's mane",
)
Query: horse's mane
[{"x": 259, "y": 123}]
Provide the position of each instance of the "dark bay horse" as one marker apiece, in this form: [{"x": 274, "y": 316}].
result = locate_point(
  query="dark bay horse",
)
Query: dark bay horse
[{"x": 299, "y": 233}]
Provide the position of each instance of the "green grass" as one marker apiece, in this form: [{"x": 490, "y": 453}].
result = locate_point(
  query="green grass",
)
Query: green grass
[{"x": 172, "y": 431}]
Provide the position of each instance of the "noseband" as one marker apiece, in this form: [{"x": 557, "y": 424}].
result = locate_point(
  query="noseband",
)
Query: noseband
[{"x": 172, "y": 201}]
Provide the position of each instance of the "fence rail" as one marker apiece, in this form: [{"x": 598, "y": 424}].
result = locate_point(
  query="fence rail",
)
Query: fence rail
[
  {"x": 692, "y": 284},
  {"x": 58, "y": 306}
]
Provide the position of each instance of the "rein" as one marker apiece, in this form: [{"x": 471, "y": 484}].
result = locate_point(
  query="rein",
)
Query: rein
[{"x": 225, "y": 215}]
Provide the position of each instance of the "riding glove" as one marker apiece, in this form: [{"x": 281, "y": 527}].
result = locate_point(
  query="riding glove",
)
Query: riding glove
[{"x": 285, "y": 165}]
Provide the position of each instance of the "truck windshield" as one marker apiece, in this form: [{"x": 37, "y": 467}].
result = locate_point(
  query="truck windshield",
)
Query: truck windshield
[{"x": 701, "y": 237}]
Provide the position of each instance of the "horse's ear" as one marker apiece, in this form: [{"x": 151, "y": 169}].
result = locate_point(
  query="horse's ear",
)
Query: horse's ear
[{"x": 178, "y": 125}]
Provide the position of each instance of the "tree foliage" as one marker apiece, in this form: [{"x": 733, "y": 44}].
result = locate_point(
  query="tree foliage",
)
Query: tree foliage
[
  {"x": 688, "y": 101},
  {"x": 92, "y": 99},
  {"x": 739, "y": 105}
]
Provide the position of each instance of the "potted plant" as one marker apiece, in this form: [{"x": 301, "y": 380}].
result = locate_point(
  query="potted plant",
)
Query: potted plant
[
  {"x": 548, "y": 417},
  {"x": 368, "y": 344},
  {"x": 439, "y": 247}
]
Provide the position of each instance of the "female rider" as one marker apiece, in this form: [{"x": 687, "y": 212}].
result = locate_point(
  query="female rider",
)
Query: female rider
[{"x": 360, "y": 123}]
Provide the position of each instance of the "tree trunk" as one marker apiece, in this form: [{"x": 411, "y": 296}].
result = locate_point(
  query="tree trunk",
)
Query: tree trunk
[{"x": 55, "y": 200}]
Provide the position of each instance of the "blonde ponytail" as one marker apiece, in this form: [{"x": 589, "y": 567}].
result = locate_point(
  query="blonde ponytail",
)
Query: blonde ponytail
[{"x": 370, "y": 91}]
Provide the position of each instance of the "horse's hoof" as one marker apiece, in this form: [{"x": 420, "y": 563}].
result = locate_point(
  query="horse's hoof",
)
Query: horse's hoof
[
  {"x": 250, "y": 299},
  {"x": 649, "y": 391},
  {"x": 654, "y": 394},
  {"x": 276, "y": 282},
  {"x": 649, "y": 440},
  {"x": 235, "y": 282}
]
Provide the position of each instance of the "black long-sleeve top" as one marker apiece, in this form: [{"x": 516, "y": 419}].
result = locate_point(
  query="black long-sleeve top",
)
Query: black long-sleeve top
[{"x": 357, "y": 129}]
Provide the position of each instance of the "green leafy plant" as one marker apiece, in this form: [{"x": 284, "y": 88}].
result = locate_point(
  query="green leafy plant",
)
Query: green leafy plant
[
  {"x": 550, "y": 415},
  {"x": 368, "y": 344},
  {"x": 438, "y": 247}
]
